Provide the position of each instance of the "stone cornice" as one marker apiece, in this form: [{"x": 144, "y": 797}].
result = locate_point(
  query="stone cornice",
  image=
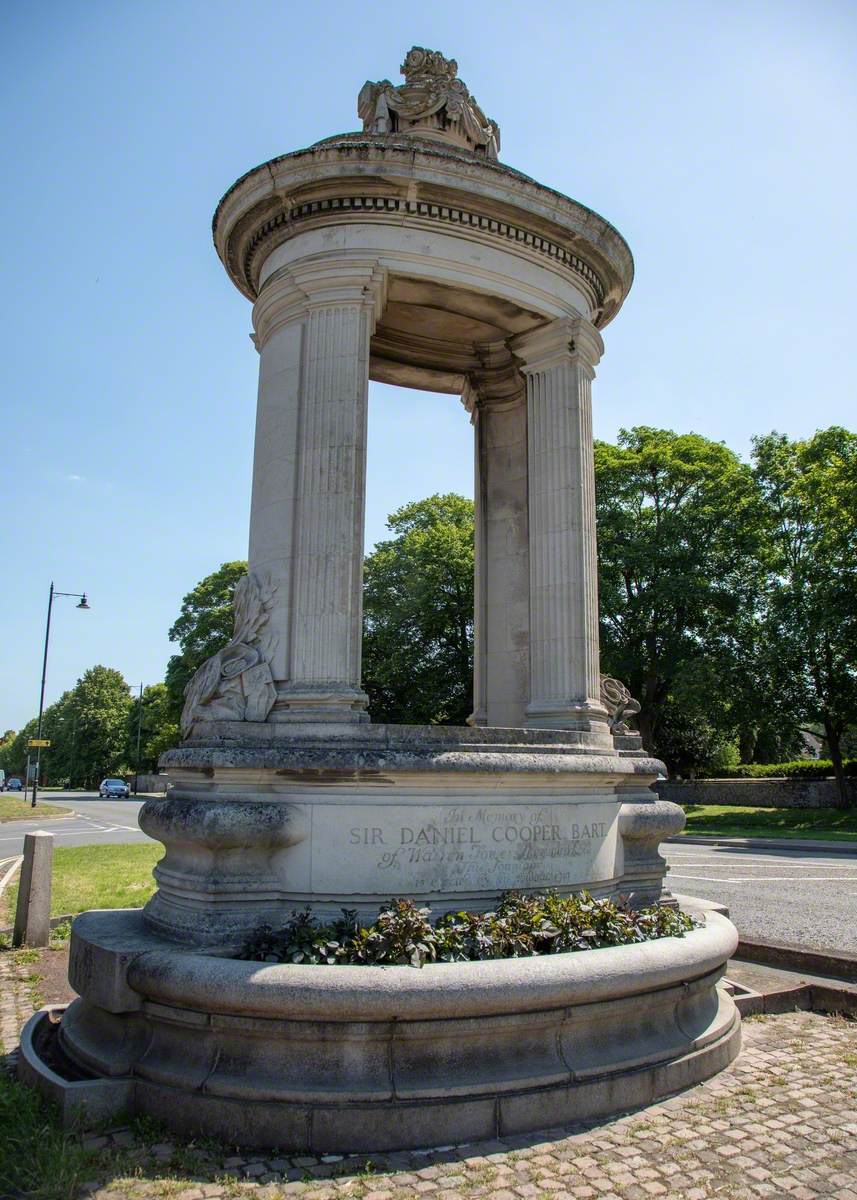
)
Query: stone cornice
[{"x": 410, "y": 182}]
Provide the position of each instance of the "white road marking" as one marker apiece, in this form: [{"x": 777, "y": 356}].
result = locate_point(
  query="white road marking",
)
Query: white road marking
[
  {"x": 16, "y": 862},
  {"x": 765, "y": 879},
  {"x": 720, "y": 856}
]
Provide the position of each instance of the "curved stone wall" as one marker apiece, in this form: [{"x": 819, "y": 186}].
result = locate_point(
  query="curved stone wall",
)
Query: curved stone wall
[{"x": 333, "y": 1059}]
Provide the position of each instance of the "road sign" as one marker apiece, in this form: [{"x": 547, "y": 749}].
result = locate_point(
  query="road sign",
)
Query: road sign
[{"x": 33, "y": 743}]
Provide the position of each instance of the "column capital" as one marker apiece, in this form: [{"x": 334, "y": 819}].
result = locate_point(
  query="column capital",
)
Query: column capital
[
  {"x": 300, "y": 287},
  {"x": 569, "y": 339},
  {"x": 497, "y": 382}
]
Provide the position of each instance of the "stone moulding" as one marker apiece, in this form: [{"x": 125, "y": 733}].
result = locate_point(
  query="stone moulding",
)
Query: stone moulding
[
  {"x": 338, "y": 1059},
  {"x": 383, "y": 206},
  {"x": 414, "y": 181}
]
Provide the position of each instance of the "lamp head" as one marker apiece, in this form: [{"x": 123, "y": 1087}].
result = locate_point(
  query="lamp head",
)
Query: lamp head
[{"x": 83, "y": 602}]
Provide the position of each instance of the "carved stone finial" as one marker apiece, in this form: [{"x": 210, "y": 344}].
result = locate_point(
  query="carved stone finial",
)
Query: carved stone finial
[
  {"x": 432, "y": 102},
  {"x": 619, "y": 703}
]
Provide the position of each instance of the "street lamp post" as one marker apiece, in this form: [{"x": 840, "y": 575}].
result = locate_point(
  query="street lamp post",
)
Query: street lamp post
[
  {"x": 139, "y": 730},
  {"x": 80, "y": 596}
]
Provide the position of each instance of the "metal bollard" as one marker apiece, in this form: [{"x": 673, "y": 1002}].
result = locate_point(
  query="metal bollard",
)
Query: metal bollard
[{"x": 33, "y": 912}]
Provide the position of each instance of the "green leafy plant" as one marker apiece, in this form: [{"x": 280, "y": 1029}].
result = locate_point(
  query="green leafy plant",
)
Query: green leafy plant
[{"x": 521, "y": 926}]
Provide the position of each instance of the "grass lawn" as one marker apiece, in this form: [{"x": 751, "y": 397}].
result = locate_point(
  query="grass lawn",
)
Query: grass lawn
[
  {"x": 99, "y": 877},
  {"x": 14, "y": 809},
  {"x": 731, "y": 820}
]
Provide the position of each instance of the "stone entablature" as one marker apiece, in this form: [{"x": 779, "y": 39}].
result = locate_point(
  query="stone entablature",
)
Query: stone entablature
[{"x": 416, "y": 184}]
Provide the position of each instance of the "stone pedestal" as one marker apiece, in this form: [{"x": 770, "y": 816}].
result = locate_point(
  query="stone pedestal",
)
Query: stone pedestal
[
  {"x": 351, "y": 818},
  {"x": 363, "y": 1059}
]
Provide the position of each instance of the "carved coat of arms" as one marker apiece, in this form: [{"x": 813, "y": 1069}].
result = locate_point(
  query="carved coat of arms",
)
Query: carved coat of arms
[{"x": 432, "y": 100}]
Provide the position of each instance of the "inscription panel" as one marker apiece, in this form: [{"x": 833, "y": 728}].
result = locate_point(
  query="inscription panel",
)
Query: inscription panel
[{"x": 367, "y": 849}]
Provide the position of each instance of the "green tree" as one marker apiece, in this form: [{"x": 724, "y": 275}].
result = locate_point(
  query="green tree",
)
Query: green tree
[
  {"x": 7, "y": 741},
  {"x": 203, "y": 626},
  {"x": 418, "y": 615},
  {"x": 810, "y": 494},
  {"x": 101, "y": 702},
  {"x": 15, "y": 751},
  {"x": 158, "y": 730},
  {"x": 679, "y": 528}
]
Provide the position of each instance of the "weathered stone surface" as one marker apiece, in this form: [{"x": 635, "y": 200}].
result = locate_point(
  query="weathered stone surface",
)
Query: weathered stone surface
[
  {"x": 767, "y": 793},
  {"x": 449, "y": 817},
  {"x": 33, "y": 911},
  {"x": 367, "y": 1058},
  {"x": 407, "y": 255}
]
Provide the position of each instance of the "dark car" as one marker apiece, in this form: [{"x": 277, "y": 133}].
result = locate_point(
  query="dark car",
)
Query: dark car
[
  {"x": 114, "y": 787},
  {"x": 14, "y": 784}
]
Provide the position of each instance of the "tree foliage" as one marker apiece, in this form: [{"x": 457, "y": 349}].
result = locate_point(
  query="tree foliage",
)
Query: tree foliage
[
  {"x": 810, "y": 595},
  {"x": 728, "y": 599},
  {"x": 87, "y": 729},
  {"x": 204, "y": 626},
  {"x": 679, "y": 526},
  {"x": 159, "y": 732},
  {"x": 418, "y": 615}
]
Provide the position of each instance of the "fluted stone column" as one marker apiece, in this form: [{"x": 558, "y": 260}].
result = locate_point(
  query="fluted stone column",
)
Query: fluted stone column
[
  {"x": 313, "y": 325},
  {"x": 559, "y": 362},
  {"x": 496, "y": 398}
]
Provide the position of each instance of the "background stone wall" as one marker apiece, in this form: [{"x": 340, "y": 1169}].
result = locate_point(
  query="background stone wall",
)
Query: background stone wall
[
  {"x": 768, "y": 793},
  {"x": 148, "y": 783}
]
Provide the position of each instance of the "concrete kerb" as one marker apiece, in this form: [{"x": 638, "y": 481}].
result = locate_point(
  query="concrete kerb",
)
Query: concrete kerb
[
  {"x": 798, "y": 958},
  {"x": 766, "y": 843},
  {"x": 802, "y": 978},
  {"x": 55, "y": 922},
  {"x": 41, "y": 813}
]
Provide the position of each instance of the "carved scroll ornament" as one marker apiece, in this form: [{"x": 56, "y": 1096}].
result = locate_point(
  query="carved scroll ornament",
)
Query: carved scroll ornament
[
  {"x": 432, "y": 100},
  {"x": 236, "y": 684},
  {"x": 619, "y": 704}
]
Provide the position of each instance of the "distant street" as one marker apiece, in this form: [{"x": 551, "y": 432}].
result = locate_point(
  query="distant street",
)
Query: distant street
[
  {"x": 807, "y": 898},
  {"x": 95, "y": 821}
]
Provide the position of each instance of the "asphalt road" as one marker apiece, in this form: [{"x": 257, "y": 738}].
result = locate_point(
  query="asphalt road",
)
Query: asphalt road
[
  {"x": 804, "y": 897},
  {"x": 807, "y": 898},
  {"x": 94, "y": 821}
]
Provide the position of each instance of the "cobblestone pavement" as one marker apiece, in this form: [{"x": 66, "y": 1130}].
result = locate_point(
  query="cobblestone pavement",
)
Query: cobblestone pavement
[
  {"x": 16, "y": 1004},
  {"x": 780, "y": 1122}
]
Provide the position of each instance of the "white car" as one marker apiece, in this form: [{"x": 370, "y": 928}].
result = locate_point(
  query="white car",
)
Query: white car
[{"x": 112, "y": 788}]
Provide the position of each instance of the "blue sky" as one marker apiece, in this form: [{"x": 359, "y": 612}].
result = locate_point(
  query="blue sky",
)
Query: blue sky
[{"x": 718, "y": 137}]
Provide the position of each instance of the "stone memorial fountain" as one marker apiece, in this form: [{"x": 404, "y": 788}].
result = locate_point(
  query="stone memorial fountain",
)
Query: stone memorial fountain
[{"x": 405, "y": 253}]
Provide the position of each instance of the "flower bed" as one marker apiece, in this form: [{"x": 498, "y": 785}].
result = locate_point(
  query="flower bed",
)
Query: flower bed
[{"x": 520, "y": 926}]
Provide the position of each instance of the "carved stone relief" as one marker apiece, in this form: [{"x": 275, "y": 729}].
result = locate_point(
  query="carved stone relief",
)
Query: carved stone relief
[
  {"x": 619, "y": 703},
  {"x": 236, "y": 684}
]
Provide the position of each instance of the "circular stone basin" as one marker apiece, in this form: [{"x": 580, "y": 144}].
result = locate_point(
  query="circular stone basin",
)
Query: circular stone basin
[{"x": 358, "y": 1059}]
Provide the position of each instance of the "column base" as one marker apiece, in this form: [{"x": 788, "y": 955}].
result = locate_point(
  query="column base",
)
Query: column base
[
  {"x": 583, "y": 718},
  {"x": 262, "y": 820},
  {"x": 320, "y": 704}
]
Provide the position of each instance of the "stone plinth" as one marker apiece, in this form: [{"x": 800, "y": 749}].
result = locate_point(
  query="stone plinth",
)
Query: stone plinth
[{"x": 354, "y": 816}]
